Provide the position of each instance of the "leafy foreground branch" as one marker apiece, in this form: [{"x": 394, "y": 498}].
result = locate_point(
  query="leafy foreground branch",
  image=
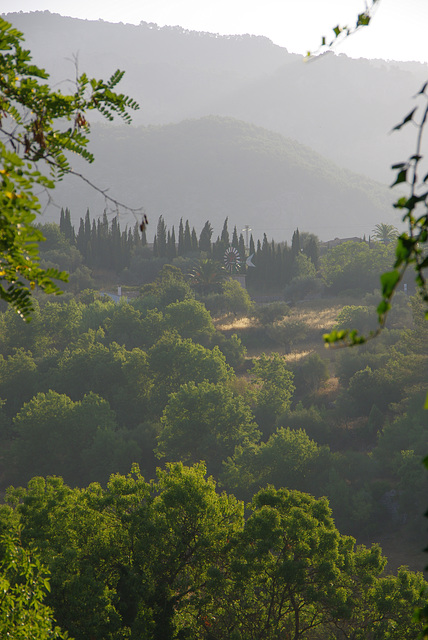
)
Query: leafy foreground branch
[
  {"x": 39, "y": 128},
  {"x": 173, "y": 558}
]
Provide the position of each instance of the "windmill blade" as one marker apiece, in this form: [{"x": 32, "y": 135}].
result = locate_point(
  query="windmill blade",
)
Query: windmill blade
[{"x": 249, "y": 262}]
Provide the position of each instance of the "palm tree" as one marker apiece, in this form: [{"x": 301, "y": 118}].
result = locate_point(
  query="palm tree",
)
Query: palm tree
[
  {"x": 385, "y": 233},
  {"x": 207, "y": 276}
]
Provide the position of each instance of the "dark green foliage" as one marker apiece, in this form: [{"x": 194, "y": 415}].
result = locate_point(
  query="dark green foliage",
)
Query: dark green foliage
[
  {"x": 367, "y": 388},
  {"x": 175, "y": 559},
  {"x": 407, "y": 432},
  {"x": 24, "y": 586},
  {"x": 205, "y": 238},
  {"x": 174, "y": 361},
  {"x": 236, "y": 299},
  {"x": 207, "y": 276},
  {"x": 190, "y": 319},
  {"x": 205, "y": 422},
  {"x": 355, "y": 265},
  {"x": 309, "y": 373},
  {"x": 52, "y": 434},
  {"x": 273, "y": 390},
  {"x": 311, "y": 420},
  {"x": 161, "y": 238},
  {"x": 289, "y": 458},
  {"x": 168, "y": 287},
  {"x": 232, "y": 349},
  {"x": 287, "y": 333},
  {"x": 125, "y": 325},
  {"x": 18, "y": 380},
  {"x": 361, "y": 318},
  {"x": 272, "y": 312}
]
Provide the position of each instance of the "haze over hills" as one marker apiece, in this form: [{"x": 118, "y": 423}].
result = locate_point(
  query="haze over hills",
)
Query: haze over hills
[
  {"x": 340, "y": 107},
  {"x": 213, "y": 167}
]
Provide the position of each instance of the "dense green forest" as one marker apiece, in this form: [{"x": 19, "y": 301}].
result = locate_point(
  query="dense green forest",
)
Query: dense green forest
[{"x": 187, "y": 368}]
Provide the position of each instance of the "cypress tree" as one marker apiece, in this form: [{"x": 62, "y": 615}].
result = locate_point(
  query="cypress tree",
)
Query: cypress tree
[
  {"x": 252, "y": 247},
  {"x": 80, "y": 239},
  {"x": 136, "y": 238},
  {"x": 170, "y": 245},
  {"x": 224, "y": 238},
  {"x": 173, "y": 247},
  {"x": 94, "y": 244},
  {"x": 205, "y": 238},
  {"x": 62, "y": 221},
  {"x": 295, "y": 243},
  {"x": 116, "y": 244},
  {"x": 235, "y": 241},
  {"x": 311, "y": 249},
  {"x": 194, "y": 241},
  {"x": 161, "y": 238},
  {"x": 181, "y": 238},
  {"x": 87, "y": 228},
  {"x": 143, "y": 238},
  {"x": 216, "y": 250},
  {"x": 187, "y": 238},
  {"x": 69, "y": 229},
  {"x": 241, "y": 247}
]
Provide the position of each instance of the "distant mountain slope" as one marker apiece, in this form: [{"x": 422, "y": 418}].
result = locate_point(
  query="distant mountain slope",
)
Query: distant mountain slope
[
  {"x": 173, "y": 73},
  {"x": 341, "y": 107},
  {"x": 215, "y": 167}
]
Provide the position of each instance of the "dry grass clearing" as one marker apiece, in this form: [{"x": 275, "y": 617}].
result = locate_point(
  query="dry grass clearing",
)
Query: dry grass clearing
[
  {"x": 316, "y": 316},
  {"x": 226, "y": 323}
]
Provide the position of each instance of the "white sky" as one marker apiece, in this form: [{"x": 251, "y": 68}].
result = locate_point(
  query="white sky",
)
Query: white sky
[{"x": 398, "y": 31}]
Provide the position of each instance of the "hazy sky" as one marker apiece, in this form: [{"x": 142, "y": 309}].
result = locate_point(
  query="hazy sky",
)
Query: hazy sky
[{"x": 398, "y": 31}]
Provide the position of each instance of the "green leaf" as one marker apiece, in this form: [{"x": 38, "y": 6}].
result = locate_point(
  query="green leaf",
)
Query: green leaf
[
  {"x": 401, "y": 177},
  {"x": 407, "y": 119},
  {"x": 389, "y": 281}
]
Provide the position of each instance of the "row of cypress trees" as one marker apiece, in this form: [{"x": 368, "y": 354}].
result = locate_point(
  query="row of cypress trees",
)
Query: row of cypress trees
[{"x": 104, "y": 245}]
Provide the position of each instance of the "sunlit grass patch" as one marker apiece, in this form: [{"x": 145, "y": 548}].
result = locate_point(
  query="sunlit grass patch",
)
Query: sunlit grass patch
[{"x": 226, "y": 323}]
